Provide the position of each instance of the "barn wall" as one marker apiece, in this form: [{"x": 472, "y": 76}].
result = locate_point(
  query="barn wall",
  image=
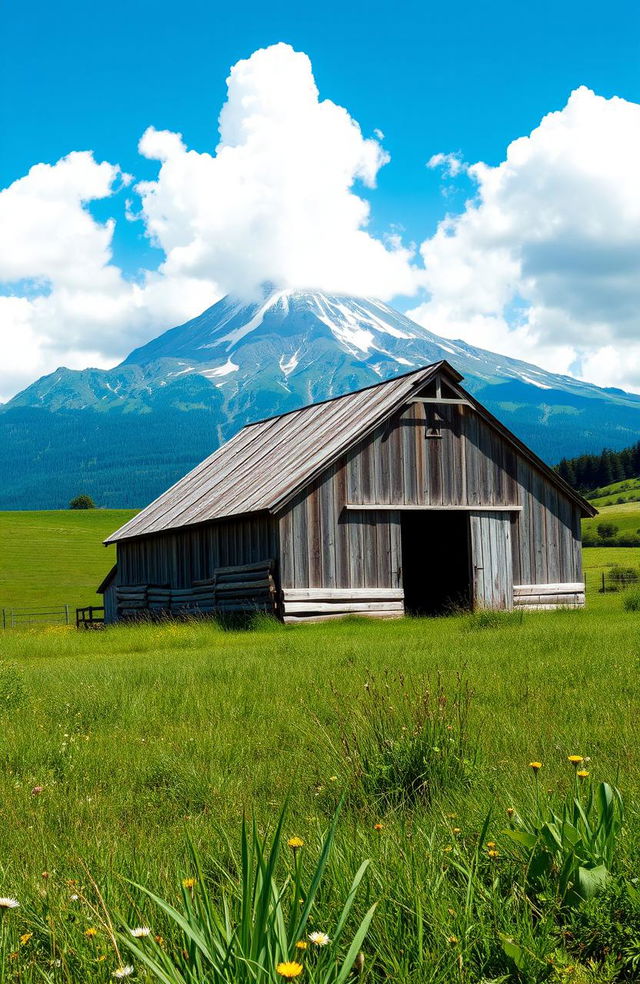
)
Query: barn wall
[
  {"x": 177, "y": 559},
  {"x": 323, "y": 545}
]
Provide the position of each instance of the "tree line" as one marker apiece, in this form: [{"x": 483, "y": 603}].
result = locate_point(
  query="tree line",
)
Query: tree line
[{"x": 593, "y": 471}]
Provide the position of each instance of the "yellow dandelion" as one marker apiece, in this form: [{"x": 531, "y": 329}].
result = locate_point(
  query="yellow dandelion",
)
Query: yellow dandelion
[
  {"x": 24, "y": 939},
  {"x": 295, "y": 843},
  {"x": 491, "y": 843},
  {"x": 189, "y": 883},
  {"x": 289, "y": 969},
  {"x": 378, "y": 826},
  {"x": 456, "y": 830},
  {"x": 453, "y": 940},
  {"x": 493, "y": 854},
  {"x": 576, "y": 760},
  {"x": 301, "y": 945},
  {"x": 536, "y": 766},
  {"x": 91, "y": 931},
  {"x": 582, "y": 773}
]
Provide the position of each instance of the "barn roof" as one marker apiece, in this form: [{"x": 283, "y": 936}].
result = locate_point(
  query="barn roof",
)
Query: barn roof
[{"x": 267, "y": 462}]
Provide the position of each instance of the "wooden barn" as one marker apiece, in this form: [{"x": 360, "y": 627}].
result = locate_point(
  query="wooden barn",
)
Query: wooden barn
[{"x": 407, "y": 496}]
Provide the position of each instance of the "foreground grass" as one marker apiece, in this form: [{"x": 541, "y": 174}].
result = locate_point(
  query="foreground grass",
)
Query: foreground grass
[
  {"x": 117, "y": 748},
  {"x": 55, "y": 558}
]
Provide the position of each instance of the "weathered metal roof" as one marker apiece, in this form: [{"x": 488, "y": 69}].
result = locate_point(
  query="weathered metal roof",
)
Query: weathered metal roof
[{"x": 269, "y": 461}]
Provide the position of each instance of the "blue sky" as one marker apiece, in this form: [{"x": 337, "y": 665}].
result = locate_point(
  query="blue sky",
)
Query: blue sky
[{"x": 432, "y": 78}]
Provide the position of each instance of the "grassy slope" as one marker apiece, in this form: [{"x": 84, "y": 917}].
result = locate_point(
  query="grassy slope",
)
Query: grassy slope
[
  {"x": 626, "y": 516},
  {"x": 55, "y": 557},
  {"x": 628, "y": 489}
]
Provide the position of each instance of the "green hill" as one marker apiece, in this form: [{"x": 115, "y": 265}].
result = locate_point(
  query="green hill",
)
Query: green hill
[{"x": 55, "y": 557}]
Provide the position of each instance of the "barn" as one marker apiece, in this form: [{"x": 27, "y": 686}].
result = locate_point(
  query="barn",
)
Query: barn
[{"x": 404, "y": 497}]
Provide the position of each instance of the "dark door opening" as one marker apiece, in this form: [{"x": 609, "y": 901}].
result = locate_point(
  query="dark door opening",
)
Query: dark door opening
[{"x": 436, "y": 564}]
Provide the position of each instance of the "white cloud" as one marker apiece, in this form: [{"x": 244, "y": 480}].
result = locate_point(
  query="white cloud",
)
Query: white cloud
[
  {"x": 275, "y": 201},
  {"x": 544, "y": 263}
]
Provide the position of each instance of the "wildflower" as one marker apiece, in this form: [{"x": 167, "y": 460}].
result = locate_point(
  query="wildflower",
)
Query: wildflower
[
  {"x": 456, "y": 830},
  {"x": 8, "y": 903},
  {"x": 140, "y": 931},
  {"x": 189, "y": 883},
  {"x": 37, "y": 790},
  {"x": 123, "y": 972},
  {"x": 24, "y": 939},
  {"x": 74, "y": 897},
  {"x": 491, "y": 843},
  {"x": 295, "y": 843},
  {"x": 320, "y": 939},
  {"x": 510, "y": 811},
  {"x": 576, "y": 760},
  {"x": 90, "y": 932},
  {"x": 378, "y": 826},
  {"x": 159, "y": 940},
  {"x": 289, "y": 969},
  {"x": 493, "y": 854},
  {"x": 582, "y": 773},
  {"x": 453, "y": 940},
  {"x": 45, "y": 875},
  {"x": 301, "y": 945},
  {"x": 536, "y": 766},
  {"x": 333, "y": 778},
  {"x": 447, "y": 848}
]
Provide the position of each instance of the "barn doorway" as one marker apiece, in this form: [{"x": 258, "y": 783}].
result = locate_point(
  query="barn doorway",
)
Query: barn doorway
[{"x": 436, "y": 563}]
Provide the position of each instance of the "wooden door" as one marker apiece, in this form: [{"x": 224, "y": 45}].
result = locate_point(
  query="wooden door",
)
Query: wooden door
[{"x": 491, "y": 560}]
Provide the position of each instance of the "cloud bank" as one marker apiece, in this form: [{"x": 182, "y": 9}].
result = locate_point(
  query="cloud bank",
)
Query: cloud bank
[{"x": 542, "y": 263}]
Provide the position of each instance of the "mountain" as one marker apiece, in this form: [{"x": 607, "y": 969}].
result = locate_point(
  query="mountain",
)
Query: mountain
[{"x": 124, "y": 434}]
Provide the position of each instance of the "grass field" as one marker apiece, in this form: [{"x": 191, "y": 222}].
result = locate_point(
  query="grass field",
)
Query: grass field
[
  {"x": 56, "y": 557},
  {"x": 122, "y": 748},
  {"x": 139, "y": 738}
]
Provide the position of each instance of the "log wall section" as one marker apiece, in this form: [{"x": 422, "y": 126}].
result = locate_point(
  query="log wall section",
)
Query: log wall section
[
  {"x": 179, "y": 558},
  {"x": 324, "y": 545}
]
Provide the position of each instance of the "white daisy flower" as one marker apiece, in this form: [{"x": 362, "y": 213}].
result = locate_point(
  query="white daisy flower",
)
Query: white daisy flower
[
  {"x": 8, "y": 903},
  {"x": 320, "y": 939},
  {"x": 74, "y": 898},
  {"x": 140, "y": 931},
  {"x": 123, "y": 972}
]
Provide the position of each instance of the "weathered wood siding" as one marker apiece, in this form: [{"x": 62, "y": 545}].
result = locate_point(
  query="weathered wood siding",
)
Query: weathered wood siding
[
  {"x": 178, "y": 559},
  {"x": 470, "y": 464}
]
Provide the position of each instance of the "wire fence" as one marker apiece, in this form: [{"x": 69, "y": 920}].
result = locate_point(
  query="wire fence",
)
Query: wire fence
[
  {"x": 619, "y": 578},
  {"x": 15, "y": 618}
]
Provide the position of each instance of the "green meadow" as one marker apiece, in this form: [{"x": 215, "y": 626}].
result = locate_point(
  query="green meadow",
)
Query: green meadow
[
  {"x": 130, "y": 757},
  {"x": 55, "y": 557}
]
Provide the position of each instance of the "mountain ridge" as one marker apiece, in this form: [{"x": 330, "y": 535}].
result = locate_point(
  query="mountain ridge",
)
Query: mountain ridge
[{"x": 240, "y": 361}]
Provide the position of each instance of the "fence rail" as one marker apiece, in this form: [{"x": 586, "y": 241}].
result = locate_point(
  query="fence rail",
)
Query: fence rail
[
  {"x": 14, "y": 618},
  {"x": 91, "y": 617}
]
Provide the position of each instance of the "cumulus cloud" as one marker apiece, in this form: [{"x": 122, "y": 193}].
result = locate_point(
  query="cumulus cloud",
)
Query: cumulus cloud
[
  {"x": 544, "y": 262},
  {"x": 276, "y": 200}
]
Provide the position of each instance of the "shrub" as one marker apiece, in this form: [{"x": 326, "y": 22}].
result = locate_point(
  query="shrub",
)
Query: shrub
[
  {"x": 631, "y": 602},
  {"x": 607, "y": 530},
  {"x": 82, "y": 502},
  {"x": 405, "y": 744},
  {"x": 571, "y": 850},
  {"x": 606, "y": 931}
]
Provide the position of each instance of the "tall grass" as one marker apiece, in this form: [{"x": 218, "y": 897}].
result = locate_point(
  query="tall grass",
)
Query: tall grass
[{"x": 119, "y": 750}]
